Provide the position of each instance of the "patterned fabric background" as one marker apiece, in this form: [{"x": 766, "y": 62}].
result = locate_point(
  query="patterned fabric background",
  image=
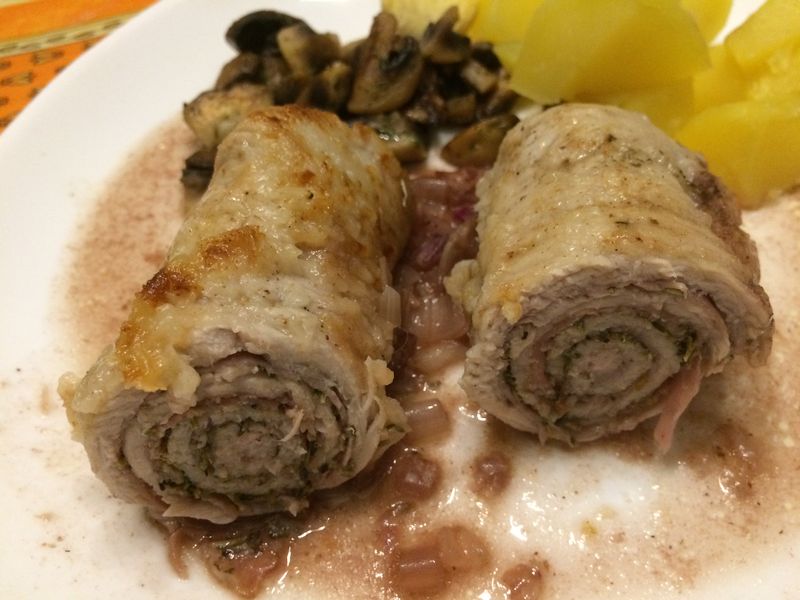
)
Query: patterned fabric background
[{"x": 39, "y": 38}]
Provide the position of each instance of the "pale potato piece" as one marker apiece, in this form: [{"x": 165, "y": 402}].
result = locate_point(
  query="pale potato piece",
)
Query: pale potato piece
[
  {"x": 501, "y": 21},
  {"x": 723, "y": 82},
  {"x": 575, "y": 48},
  {"x": 753, "y": 145},
  {"x": 779, "y": 76},
  {"x": 667, "y": 106},
  {"x": 774, "y": 25},
  {"x": 710, "y": 15}
]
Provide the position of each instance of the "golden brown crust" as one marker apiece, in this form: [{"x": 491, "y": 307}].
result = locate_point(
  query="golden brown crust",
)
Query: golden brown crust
[
  {"x": 609, "y": 257},
  {"x": 167, "y": 285},
  {"x": 269, "y": 295}
]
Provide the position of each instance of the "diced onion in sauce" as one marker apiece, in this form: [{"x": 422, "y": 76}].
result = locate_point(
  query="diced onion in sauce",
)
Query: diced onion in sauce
[
  {"x": 427, "y": 419},
  {"x": 524, "y": 582},
  {"x": 446, "y": 187},
  {"x": 461, "y": 550},
  {"x": 389, "y": 305},
  {"x": 429, "y": 252},
  {"x": 433, "y": 189},
  {"x": 429, "y": 565},
  {"x": 435, "y": 318},
  {"x": 414, "y": 477},
  {"x": 243, "y": 574},
  {"x": 177, "y": 543},
  {"x": 461, "y": 244},
  {"x": 432, "y": 359},
  {"x": 491, "y": 474},
  {"x": 418, "y": 569},
  {"x": 406, "y": 382}
]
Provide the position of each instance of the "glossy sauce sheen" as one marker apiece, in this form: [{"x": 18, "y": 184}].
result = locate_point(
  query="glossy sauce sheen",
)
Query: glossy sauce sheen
[{"x": 607, "y": 519}]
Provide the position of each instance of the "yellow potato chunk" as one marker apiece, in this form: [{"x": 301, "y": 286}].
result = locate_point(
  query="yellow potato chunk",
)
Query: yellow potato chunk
[
  {"x": 667, "y": 106},
  {"x": 723, "y": 82},
  {"x": 753, "y": 145},
  {"x": 780, "y": 76},
  {"x": 500, "y": 21},
  {"x": 710, "y": 15},
  {"x": 413, "y": 16},
  {"x": 774, "y": 25},
  {"x": 575, "y": 48}
]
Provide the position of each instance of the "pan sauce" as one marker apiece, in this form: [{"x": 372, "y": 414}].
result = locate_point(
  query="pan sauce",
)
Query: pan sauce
[{"x": 603, "y": 520}]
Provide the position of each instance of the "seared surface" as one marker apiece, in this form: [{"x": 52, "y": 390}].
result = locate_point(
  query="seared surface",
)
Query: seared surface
[
  {"x": 611, "y": 275},
  {"x": 251, "y": 369}
]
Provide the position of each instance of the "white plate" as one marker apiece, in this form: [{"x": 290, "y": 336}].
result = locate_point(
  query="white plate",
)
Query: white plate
[{"x": 64, "y": 536}]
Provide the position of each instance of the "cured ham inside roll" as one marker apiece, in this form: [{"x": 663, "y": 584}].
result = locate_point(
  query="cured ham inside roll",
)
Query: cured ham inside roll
[
  {"x": 612, "y": 276},
  {"x": 252, "y": 367}
]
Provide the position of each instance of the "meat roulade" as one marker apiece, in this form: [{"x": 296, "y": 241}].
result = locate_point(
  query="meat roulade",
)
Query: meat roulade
[
  {"x": 612, "y": 276},
  {"x": 252, "y": 367}
]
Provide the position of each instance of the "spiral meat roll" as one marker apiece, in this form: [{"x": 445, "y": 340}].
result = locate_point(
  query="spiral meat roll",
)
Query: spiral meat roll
[
  {"x": 252, "y": 367},
  {"x": 612, "y": 276}
]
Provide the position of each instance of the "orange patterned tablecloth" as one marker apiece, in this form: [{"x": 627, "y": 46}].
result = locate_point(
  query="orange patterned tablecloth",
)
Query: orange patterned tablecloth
[{"x": 39, "y": 38}]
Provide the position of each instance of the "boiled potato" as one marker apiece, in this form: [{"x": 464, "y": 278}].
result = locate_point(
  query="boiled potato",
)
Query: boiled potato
[
  {"x": 738, "y": 102},
  {"x": 753, "y": 145},
  {"x": 775, "y": 25},
  {"x": 748, "y": 103},
  {"x": 710, "y": 15},
  {"x": 503, "y": 23},
  {"x": 780, "y": 76},
  {"x": 499, "y": 21},
  {"x": 508, "y": 53},
  {"x": 575, "y": 48},
  {"x": 667, "y": 106},
  {"x": 723, "y": 82}
]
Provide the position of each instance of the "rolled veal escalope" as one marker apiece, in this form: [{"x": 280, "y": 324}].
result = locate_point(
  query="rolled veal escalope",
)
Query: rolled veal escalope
[
  {"x": 612, "y": 276},
  {"x": 252, "y": 367}
]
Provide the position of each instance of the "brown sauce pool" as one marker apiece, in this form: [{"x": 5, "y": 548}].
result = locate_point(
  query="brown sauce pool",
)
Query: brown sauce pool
[
  {"x": 466, "y": 507},
  {"x": 124, "y": 240}
]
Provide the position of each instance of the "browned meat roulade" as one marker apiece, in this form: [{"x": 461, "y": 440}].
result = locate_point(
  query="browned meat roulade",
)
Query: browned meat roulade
[
  {"x": 612, "y": 276},
  {"x": 252, "y": 367}
]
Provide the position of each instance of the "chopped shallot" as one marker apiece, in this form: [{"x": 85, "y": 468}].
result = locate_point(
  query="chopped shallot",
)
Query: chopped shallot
[
  {"x": 427, "y": 419},
  {"x": 678, "y": 393}
]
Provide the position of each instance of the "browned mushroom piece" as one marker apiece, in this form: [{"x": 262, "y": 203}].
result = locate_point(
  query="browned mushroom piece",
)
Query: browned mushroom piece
[
  {"x": 306, "y": 51},
  {"x": 351, "y": 51},
  {"x": 477, "y": 145},
  {"x": 459, "y": 110},
  {"x": 284, "y": 86},
  {"x": 441, "y": 45},
  {"x": 245, "y": 67},
  {"x": 198, "y": 169},
  {"x": 404, "y": 138},
  {"x": 478, "y": 76},
  {"x": 213, "y": 114},
  {"x": 387, "y": 70},
  {"x": 484, "y": 53},
  {"x": 257, "y": 31},
  {"x": 427, "y": 103},
  {"x": 500, "y": 101},
  {"x": 443, "y": 98},
  {"x": 399, "y": 85},
  {"x": 330, "y": 89}
]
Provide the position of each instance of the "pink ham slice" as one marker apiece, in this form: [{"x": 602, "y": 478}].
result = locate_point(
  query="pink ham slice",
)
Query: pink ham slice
[{"x": 678, "y": 392}]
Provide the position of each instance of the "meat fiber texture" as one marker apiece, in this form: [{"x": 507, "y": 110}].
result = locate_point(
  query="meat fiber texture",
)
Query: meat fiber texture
[
  {"x": 252, "y": 367},
  {"x": 612, "y": 275}
]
